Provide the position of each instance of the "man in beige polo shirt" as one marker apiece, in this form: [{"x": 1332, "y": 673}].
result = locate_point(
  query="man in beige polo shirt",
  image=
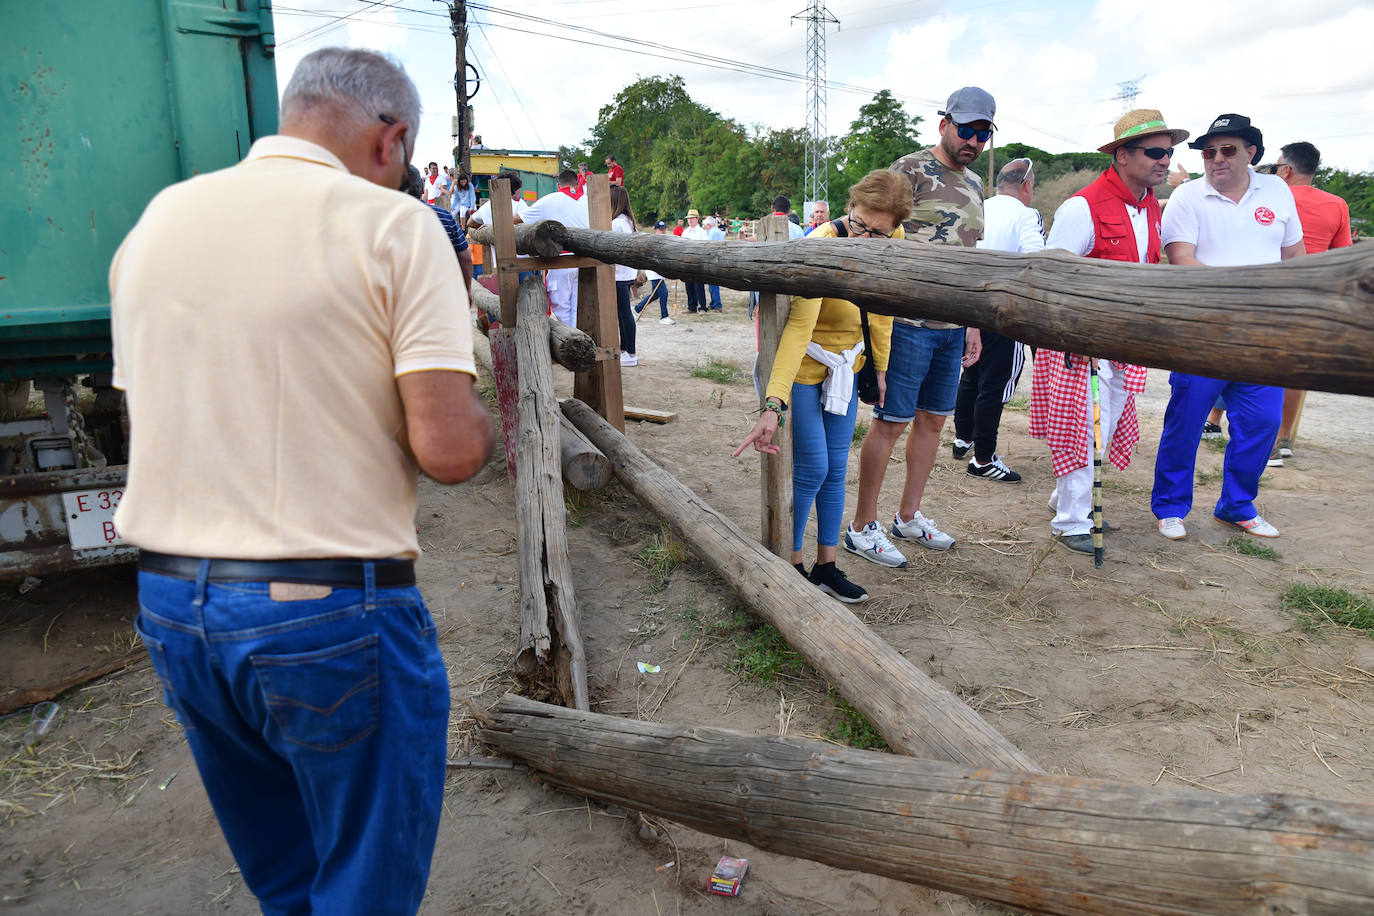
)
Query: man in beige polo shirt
[{"x": 293, "y": 339}]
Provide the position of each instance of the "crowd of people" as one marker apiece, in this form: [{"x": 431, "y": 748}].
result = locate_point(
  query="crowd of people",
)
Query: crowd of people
[
  {"x": 1081, "y": 405},
  {"x": 284, "y": 623}
]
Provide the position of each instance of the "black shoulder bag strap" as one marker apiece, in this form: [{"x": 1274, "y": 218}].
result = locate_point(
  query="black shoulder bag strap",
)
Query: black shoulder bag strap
[{"x": 842, "y": 231}]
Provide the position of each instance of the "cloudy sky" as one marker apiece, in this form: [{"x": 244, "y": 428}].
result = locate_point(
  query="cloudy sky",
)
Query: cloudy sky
[{"x": 1299, "y": 70}]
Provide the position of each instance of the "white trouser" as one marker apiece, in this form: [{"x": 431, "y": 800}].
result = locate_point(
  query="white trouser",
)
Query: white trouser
[
  {"x": 562, "y": 287},
  {"x": 1072, "y": 498}
]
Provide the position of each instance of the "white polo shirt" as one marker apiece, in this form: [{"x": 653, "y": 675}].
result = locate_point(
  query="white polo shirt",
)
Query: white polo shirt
[{"x": 1227, "y": 233}]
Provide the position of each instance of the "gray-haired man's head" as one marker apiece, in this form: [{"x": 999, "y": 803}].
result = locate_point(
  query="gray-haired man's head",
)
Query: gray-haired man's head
[{"x": 350, "y": 84}]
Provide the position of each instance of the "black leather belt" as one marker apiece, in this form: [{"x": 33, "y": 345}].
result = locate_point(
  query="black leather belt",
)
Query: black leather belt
[{"x": 341, "y": 573}]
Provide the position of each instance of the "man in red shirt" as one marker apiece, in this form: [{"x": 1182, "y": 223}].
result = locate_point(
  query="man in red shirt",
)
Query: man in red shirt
[
  {"x": 614, "y": 171},
  {"x": 677, "y": 230},
  {"x": 1325, "y": 224},
  {"x": 582, "y": 176}
]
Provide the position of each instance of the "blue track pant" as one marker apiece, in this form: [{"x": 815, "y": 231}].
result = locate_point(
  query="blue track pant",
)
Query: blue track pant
[{"x": 1253, "y": 413}]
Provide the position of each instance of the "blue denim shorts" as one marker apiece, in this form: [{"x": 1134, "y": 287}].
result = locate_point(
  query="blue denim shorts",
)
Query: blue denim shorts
[{"x": 922, "y": 372}]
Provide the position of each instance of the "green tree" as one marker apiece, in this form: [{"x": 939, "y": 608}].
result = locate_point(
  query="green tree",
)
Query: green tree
[
  {"x": 881, "y": 134},
  {"x": 1356, "y": 189},
  {"x": 656, "y": 131}
]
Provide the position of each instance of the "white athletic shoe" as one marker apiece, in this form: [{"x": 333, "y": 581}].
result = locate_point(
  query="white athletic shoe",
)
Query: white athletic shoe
[
  {"x": 923, "y": 531},
  {"x": 1256, "y": 526},
  {"x": 629, "y": 359},
  {"x": 872, "y": 544},
  {"x": 666, "y": 321},
  {"x": 1172, "y": 528}
]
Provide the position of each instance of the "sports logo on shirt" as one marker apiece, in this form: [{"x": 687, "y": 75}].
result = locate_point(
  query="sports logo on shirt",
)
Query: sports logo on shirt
[{"x": 1264, "y": 216}]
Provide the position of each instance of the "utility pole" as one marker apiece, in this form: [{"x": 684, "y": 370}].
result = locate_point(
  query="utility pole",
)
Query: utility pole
[
  {"x": 816, "y": 17},
  {"x": 458, "y": 16}
]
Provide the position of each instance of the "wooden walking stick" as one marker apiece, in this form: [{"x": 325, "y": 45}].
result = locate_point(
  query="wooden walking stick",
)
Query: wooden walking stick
[
  {"x": 1097, "y": 463},
  {"x": 653, "y": 289}
]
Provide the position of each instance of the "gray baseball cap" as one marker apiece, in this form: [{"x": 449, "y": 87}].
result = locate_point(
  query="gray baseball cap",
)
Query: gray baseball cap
[{"x": 970, "y": 104}]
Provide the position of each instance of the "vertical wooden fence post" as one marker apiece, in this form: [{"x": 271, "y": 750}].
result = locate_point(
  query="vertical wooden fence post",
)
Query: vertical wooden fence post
[
  {"x": 776, "y": 470},
  {"x": 503, "y": 231},
  {"x": 597, "y": 318}
]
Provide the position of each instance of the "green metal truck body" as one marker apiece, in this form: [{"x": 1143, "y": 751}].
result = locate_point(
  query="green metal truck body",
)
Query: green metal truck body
[{"x": 105, "y": 104}]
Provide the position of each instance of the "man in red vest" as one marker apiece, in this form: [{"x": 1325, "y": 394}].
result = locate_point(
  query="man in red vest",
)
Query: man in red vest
[{"x": 1115, "y": 218}]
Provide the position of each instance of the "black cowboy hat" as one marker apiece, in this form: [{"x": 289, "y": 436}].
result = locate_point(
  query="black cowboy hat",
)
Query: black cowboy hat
[{"x": 1234, "y": 125}]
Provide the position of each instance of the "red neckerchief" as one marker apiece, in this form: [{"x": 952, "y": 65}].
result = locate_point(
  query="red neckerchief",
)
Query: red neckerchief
[
  {"x": 1118, "y": 188},
  {"x": 574, "y": 193}
]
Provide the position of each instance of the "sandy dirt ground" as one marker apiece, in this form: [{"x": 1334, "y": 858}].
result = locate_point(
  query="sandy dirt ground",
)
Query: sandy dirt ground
[{"x": 1173, "y": 665}]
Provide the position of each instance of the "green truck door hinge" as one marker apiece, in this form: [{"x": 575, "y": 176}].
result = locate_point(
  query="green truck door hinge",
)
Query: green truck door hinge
[{"x": 209, "y": 20}]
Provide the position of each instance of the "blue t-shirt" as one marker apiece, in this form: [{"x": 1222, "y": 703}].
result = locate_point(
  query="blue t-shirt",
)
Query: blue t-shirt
[{"x": 456, "y": 236}]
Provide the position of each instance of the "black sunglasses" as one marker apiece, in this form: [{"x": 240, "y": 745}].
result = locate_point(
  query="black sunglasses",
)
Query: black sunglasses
[
  {"x": 1155, "y": 152},
  {"x": 968, "y": 133},
  {"x": 1228, "y": 150}
]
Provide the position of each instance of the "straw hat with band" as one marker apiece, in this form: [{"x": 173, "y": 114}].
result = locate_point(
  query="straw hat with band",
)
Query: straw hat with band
[
  {"x": 693, "y": 213},
  {"x": 1142, "y": 122}
]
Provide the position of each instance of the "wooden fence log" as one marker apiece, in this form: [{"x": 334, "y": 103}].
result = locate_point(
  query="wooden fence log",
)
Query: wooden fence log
[
  {"x": 569, "y": 347},
  {"x": 528, "y": 240},
  {"x": 550, "y": 647},
  {"x": 916, "y": 715},
  {"x": 1046, "y": 843},
  {"x": 1305, "y": 323},
  {"x": 584, "y": 467}
]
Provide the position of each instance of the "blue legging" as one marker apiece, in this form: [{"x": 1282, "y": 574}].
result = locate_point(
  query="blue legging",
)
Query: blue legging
[
  {"x": 1253, "y": 412},
  {"x": 820, "y": 461}
]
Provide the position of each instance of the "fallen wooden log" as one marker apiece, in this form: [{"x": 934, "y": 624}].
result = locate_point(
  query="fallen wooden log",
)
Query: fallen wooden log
[
  {"x": 550, "y": 652},
  {"x": 1305, "y": 323},
  {"x": 584, "y": 468},
  {"x": 31, "y": 695},
  {"x": 1051, "y": 844},
  {"x": 916, "y": 715},
  {"x": 569, "y": 347}
]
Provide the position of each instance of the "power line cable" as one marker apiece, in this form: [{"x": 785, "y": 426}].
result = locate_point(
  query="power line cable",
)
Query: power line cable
[{"x": 509, "y": 85}]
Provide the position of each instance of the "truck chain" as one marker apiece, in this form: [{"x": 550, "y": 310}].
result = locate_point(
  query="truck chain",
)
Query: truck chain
[{"x": 76, "y": 425}]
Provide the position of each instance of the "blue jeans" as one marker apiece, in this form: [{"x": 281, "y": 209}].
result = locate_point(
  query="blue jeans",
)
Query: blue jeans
[
  {"x": 714, "y": 292},
  {"x": 658, "y": 289},
  {"x": 922, "y": 372},
  {"x": 696, "y": 297},
  {"x": 1253, "y": 413},
  {"x": 319, "y": 729},
  {"x": 820, "y": 456}
]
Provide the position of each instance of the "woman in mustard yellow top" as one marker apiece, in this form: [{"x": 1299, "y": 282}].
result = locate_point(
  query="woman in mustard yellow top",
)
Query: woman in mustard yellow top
[{"x": 812, "y": 382}]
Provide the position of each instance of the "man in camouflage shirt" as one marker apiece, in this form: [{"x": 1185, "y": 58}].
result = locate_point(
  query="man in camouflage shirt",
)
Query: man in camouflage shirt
[{"x": 923, "y": 369}]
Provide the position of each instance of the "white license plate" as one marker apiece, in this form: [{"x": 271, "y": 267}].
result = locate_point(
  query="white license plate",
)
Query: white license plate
[{"x": 90, "y": 517}]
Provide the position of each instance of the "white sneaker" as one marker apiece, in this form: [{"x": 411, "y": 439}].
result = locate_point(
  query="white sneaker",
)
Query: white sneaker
[
  {"x": 1256, "y": 526},
  {"x": 666, "y": 321},
  {"x": 922, "y": 530},
  {"x": 1172, "y": 528},
  {"x": 872, "y": 544},
  {"x": 629, "y": 359}
]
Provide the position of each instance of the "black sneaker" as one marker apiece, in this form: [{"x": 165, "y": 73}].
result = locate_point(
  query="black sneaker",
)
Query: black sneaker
[
  {"x": 828, "y": 578},
  {"x": 1211, "y": 431},
  {"x": 959, "y": 447},
  {"x": 993, "y": 470},
  {"x": 801, "y": 568}
]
